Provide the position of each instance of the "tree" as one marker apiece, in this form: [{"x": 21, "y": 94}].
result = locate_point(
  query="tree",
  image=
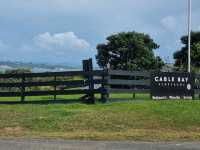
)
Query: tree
[
  {"x": 129, "y": 51},
  {"x": 181, "y": 56}
]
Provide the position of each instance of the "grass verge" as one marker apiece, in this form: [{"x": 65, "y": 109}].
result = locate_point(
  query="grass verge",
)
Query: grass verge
[{"x": 135, "y": 120}]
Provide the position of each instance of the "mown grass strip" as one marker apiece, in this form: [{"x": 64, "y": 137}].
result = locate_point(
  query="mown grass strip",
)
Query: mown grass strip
[{"x": 134, "y": 120}]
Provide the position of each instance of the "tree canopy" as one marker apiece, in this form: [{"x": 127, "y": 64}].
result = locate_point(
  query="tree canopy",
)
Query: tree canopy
[
  {"x": 129, "y": 51},
  {"x": 181, "y": 56}
]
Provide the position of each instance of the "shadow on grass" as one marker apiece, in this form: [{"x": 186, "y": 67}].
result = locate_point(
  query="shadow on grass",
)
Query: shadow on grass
[
  {"x": 78, "y": 99},
  {"x": 43, "y": 102}
]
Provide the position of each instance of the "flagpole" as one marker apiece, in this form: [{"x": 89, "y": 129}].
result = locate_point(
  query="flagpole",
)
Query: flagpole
[{"x": 189, "y": 34}]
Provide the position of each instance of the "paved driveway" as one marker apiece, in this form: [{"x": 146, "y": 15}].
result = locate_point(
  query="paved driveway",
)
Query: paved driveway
[{"x": 92, "y": 145}]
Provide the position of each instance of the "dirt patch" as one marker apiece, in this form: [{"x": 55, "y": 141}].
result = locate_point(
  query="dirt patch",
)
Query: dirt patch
[{"x": 12, "y": 131}]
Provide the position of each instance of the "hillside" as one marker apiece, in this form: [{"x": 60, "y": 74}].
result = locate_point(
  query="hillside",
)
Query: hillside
[{"x": 8, "y": 65}]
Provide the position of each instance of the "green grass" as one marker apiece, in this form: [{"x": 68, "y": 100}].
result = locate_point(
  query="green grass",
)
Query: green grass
[
  {"x": 134, "y": 120},
  {"x": 76, "y": 97},
  {"x": 35, "y": 98}
]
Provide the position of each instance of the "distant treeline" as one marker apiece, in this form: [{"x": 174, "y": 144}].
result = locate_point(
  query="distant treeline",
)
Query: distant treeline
[{"x": 32, "y": 65}]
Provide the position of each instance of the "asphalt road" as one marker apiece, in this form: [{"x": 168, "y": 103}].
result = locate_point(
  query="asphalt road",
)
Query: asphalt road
[{"x": 19, "y": 144}]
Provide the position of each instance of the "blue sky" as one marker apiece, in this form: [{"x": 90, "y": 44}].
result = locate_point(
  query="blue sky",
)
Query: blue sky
[{"x": 67, "y": 31}]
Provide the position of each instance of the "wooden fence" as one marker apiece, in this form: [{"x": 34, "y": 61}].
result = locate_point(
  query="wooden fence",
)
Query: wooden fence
[
  {"x": 16, "y": 85},
  {"x": 89, "y": 83},
  {"x": 128, "y": 81}
]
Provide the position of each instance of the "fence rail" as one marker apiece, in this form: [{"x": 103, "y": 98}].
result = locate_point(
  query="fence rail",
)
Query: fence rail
[
  {"x": 71, "y": 84},
  {"x": 46, "y": 93},
  {"x": 52, "y": 74},
  {"x": 129, "y": 73},
  {"x": 128, "y": 82}
]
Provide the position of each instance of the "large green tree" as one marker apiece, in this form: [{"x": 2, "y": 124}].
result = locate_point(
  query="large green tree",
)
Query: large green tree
[
  {"x": 181, "y": 56},
  {"x": 129, "y": 51}
]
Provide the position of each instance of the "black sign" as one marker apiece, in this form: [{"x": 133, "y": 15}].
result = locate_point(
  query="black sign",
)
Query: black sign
[{"x": 167, "y": 85}]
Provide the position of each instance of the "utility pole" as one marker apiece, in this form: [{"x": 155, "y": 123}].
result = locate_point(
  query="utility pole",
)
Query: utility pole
[{"x": 189, "y": 34}]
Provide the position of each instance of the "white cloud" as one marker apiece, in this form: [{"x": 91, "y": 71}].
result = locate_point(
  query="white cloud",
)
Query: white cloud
[
  {"x": 169, "y": 23},
  {"x": 60, "y": 41},
  {"x": 47, "y": 47}
]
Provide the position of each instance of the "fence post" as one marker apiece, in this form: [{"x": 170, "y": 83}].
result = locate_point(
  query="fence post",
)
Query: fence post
[
  {"x": 151, "y": 73},
  {"x": 88, "y": 67},
  {"x": 104, "y": 92},
  {"x": 55, "y": 88},
  {"x": 91, "y": 82},
  {"x": 23, "y": 88},
  {"x": 134, "y": 87}
]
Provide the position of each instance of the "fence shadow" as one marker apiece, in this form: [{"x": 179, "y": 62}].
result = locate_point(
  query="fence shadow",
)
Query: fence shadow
[{"x": 43, "y": 102}]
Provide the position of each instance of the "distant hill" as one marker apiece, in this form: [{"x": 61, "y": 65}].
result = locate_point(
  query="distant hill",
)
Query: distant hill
[{"x": 9, "y": 65}]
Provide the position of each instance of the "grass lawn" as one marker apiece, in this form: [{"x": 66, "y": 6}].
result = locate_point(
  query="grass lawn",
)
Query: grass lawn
[
  {"x": 76, "y": 97},
  {"x": 134, "y": 120}
]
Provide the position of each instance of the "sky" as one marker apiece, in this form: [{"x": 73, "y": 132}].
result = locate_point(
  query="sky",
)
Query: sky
[{"x": 67, "y": 31}]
